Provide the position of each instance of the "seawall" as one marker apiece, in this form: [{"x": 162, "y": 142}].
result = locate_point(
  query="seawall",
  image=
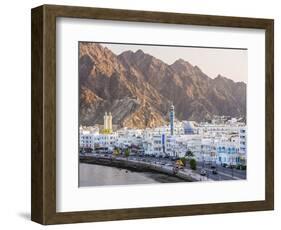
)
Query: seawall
[{"x": 140, "y": 166}]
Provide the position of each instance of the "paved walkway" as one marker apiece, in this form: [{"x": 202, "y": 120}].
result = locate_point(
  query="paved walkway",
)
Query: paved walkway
[{"x": 186, "y": 174}]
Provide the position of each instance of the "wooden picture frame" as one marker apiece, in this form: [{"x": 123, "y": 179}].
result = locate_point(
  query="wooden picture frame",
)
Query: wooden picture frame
[{"x": 43, "y": 189}]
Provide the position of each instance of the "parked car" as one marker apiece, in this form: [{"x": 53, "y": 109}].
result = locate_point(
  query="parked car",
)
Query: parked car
[
  {"x": 241, "y": 167},
  {"x": 173, "y": 158},
  {"x": 203, "y": 172},
  {"x": 179, "y": 166},
  {"x": 215, "y": 171}
]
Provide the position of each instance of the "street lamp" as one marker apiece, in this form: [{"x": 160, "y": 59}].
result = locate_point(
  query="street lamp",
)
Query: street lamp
[
  {"x": 203, "y": 154},
  {"x": 232, "y": 167}
]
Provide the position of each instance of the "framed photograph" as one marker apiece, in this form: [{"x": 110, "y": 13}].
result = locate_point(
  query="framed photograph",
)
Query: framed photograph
[{"x": 141, "y": 114}]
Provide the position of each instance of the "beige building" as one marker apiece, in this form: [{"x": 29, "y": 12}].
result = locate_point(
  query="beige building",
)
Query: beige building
[{"x": 107, "y": 122}]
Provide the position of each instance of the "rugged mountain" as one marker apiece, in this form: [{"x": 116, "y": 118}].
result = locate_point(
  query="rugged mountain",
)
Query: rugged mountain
[{"x": 138, "y": 89}]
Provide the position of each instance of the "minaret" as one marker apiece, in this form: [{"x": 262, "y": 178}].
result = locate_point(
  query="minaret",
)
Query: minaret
[
  {"x": 110, "y": 122},
  {"x": 172, "y": 117},
  {"x": 105, "y": 126}
]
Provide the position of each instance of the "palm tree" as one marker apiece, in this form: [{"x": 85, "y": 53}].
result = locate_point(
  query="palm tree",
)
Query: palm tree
[{"x": 127, "y": 152}]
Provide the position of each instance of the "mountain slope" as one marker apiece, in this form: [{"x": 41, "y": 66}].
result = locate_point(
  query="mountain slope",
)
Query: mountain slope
[{"x": 138, "y": 89}]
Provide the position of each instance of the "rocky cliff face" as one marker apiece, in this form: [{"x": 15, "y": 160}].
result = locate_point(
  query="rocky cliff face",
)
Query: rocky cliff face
[{"x": 138, "y": 88}]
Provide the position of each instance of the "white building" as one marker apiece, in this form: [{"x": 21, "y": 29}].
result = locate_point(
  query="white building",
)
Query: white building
[
  {"x": 128, "y": 137},
  {"x": 220, "y": 142},
  {"x": 104, "y": 140},
  {"x": 86, "y": 140}
]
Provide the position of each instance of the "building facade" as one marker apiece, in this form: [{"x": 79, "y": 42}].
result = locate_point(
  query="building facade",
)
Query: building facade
[{"x": 223, "y": 141}]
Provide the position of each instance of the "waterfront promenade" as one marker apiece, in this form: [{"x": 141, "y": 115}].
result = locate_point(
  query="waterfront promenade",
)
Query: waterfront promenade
[{"x": 142, "y": 164}]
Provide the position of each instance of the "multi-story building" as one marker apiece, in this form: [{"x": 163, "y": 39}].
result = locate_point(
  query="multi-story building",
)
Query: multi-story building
[
  {"x": 128, "y": 137},
  {"x": 104, "y": 140},
  {"x": 223, "y": 141},
  {"x": 86, "y": 140}
]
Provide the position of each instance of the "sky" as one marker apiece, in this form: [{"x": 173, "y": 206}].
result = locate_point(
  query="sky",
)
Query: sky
[{"x": 230, "y": 63}]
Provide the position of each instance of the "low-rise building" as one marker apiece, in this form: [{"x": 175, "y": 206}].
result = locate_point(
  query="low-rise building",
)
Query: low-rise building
[{"x": 223, "y": 141}]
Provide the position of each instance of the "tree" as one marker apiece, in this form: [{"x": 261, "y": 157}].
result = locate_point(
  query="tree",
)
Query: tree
[
  {"x": 117, "y": 151},
  {"x": 189, "y": 153},
  {"x": 192, "y": 164},
  {"x": 127, "y": 152},
  {"x": 183, "y": 160}
]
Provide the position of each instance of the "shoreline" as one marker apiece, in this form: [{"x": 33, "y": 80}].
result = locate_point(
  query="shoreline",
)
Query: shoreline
[
  {"x": 140, "y": 166},
  {"x": 155, "y": 175}
]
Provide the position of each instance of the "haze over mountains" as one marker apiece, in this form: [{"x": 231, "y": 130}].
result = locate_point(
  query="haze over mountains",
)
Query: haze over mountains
[{"x": 138, "y": 89}]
